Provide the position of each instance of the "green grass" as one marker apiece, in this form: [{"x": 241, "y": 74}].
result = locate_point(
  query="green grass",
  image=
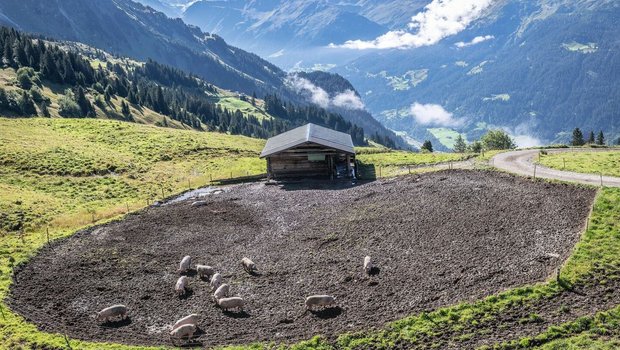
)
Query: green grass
[
  {"x": 234, "y": 103},
  {"x": 59, "y": 171},
  {"x": 446, "y": 136},
  {"x": 592, "y": 332},
  {"x": 597, "y": 162},
  {"x": 386, "y": 163}
]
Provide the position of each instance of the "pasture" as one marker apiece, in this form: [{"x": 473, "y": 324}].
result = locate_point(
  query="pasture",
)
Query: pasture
[{"x": 583, "y": 161}]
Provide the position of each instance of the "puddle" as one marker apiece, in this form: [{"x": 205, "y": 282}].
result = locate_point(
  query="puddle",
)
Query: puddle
[{"x": 200, "y": 193}]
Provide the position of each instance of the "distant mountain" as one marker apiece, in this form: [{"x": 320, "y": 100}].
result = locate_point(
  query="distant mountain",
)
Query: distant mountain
[
  {"x": 537, "y": 68},
  {"x": 170, "y": 9},
  {"x": 130, "y": 29},
  {"x": 284, "y": 30}
]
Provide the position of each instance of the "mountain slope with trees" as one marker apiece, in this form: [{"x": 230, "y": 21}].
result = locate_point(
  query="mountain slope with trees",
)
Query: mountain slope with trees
[
  {"x": 127, "y": 28},
  {"x": 94, "y": 85}
]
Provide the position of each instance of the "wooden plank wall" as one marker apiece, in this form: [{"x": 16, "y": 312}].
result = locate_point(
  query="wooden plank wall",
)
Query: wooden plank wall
[{"x": 295, "y": 163}]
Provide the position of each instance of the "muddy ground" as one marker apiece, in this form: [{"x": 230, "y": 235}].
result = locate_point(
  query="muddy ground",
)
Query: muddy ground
[{"x": 437, "y": 239}]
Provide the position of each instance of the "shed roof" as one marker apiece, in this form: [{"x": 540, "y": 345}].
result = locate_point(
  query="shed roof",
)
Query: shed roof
[{"x": 309, "y": 133}]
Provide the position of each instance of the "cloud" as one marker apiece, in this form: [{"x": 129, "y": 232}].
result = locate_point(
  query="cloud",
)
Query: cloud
[
  {"x": 312, "y": 92},
  {"x": 524, "y": 141},
  {"x": 474, "y": 41},
  {"x": 433, "y": 114},
  {"x": 346, "y": 99},
  {"x": 522, "y": 134},
  {"x": 439, "y": 19}
]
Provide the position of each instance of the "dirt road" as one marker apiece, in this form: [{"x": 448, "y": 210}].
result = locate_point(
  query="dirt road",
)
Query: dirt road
[{"x": 523, "y": 163}]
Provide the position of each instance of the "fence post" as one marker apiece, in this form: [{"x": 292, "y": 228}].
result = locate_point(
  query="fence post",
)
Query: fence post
[
  {"x": 231, "y": 175},
  {"x": 409, "y": 167},
  {"x": 601, "y": 179},
  {"x": 127, "y": 205},
  {"x": 162, "y": 192},
  {"x": 534, "y": 170},
  {"x": 210, "y": 179},
  {"x": 67, "y": 340}
]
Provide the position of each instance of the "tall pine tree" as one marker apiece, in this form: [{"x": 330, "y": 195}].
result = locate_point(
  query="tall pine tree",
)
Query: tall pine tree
[
  {"x": 577, "y": 138},
  {"x": 600, "y": 140}
]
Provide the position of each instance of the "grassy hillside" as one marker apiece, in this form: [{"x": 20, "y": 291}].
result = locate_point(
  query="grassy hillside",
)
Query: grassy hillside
[
  {"x": 65, "y": 171},
  {"x": 603, "y": 162}
]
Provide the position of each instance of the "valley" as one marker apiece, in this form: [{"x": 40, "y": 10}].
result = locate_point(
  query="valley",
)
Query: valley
[{"x": 309, "y": 175}]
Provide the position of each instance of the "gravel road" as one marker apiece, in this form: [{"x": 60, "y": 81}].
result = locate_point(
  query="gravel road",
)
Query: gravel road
[{"x": 523, "y": 163}]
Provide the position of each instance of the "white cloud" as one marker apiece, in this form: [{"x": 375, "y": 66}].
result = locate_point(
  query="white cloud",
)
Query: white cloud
[
  {"x": 474, "y": 41},
  {"x": 524, "y": 141},
  {"x": 315, "y": 94},
  {"x": 348, "y": 100},
  {"x": 433, "y": 114},
  {"x": 439, "y": 19}
]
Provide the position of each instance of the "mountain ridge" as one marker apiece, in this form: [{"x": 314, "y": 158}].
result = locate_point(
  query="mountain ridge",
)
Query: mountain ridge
[{"x": 127, "y": 28}]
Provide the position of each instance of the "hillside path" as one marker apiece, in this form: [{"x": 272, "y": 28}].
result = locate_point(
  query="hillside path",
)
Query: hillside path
[{"x": 523, "y": 163}]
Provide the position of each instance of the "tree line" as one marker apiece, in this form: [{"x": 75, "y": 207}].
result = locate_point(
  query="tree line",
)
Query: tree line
[
  {"x": 579, "y": 140},
  {"x": 166, "y": 90}
]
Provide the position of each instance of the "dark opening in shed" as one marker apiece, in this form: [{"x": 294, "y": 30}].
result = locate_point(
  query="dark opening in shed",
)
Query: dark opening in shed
[{"x": 310, "y": 151}]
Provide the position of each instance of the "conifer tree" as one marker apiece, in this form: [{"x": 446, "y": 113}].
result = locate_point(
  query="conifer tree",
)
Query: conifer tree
[
  {"x": 26, "y": 105},
  {"x": 44, "y": 111},
  {"x": 427, "y": 146},
  {"x": 85, "y": 106},
  {"x": 459, "y": 145},
  {"x": 125, "y": 109},
  {"x": 577, "y": 138},
  {"x": 600, "y": 140}
]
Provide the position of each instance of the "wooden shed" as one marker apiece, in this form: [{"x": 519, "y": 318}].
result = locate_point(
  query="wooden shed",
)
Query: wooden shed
[{"x": 310, "y": 151}]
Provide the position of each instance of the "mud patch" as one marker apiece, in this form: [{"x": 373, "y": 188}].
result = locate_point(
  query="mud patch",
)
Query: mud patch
[{"x": 436, "y": 239}]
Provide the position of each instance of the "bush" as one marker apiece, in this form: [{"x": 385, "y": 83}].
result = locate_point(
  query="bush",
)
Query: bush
[
  {"x": 26, "y": 105},
  {"x": 497, "y": 140},
  {"x": 67, "y": 105},
  {"x": 24, "y": 76},
  {"x": 36, "y": 93}
]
